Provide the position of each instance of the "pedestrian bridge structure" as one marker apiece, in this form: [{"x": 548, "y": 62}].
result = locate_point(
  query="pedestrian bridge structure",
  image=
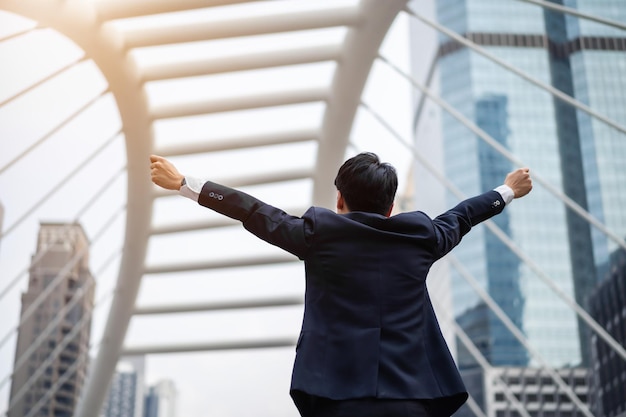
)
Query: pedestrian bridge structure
[{"x": 268, "y": 96}]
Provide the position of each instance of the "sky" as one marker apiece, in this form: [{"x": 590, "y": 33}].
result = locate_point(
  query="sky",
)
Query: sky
[{"x": 75, "y": 171}]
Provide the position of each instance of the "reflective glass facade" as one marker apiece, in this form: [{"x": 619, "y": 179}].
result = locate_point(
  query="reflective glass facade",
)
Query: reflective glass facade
[
  {"x": 598, "y": 84},
  {"x": 579, "y": 155}
]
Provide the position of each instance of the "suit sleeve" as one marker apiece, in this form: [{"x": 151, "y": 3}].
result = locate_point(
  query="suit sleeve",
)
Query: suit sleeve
[
  {"x": 451, "y": 226},
  {"x": 269, "y": 223}
]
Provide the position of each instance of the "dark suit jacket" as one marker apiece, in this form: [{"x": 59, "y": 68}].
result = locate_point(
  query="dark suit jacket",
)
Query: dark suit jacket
[{"x": 369, "y": 328}]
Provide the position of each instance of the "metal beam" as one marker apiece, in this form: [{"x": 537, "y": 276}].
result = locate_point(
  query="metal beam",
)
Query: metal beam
[
  {"x": 120, "y": 9},
  {"x": 81, "y": 61},
  {"x": 244, "y": 62},
  {"x": 221, "y": 264},
  {"x": 242, "y": 26},
  {"x": 285, "y": 301},
  {"x": 273, "y": 177},
  {"x": 246, "y": 141},
  {"x": 53, "y": 131},
  {"x": 256, "y": 179},
  {"x": 215, "y": 223},
  {"x": 210, "y": 346},
  {"x": 233, "y": 103}
]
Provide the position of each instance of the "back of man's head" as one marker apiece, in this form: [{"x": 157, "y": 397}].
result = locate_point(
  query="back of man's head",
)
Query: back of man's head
[{"x": 367, "y": 184}]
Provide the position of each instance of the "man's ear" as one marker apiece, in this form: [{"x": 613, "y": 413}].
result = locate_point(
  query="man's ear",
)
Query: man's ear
[
  {"x": 389, "y": 211},
  {"x": 341, "y": 203}
]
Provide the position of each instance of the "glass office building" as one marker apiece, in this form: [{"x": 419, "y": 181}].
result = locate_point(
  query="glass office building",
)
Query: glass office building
[
  {"x": 581, "y": 156},
  {"x": 608, "y": 306}
]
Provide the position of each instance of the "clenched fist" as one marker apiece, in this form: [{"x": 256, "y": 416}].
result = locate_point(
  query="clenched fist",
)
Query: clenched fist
[
  {"x": 164, "y": 173},
  {"x": 520, "y": 182}
]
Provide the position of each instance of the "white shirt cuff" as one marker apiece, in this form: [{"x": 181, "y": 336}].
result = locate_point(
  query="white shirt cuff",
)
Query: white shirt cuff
[
  {"x": 506, "y": 192},
  {"x": 192, "y": 188}
]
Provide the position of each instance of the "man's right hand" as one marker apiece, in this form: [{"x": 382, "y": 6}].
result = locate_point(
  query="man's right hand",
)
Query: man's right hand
[
  {"x": 164, "y": 173},
  {"x": 520, "y": 182}
]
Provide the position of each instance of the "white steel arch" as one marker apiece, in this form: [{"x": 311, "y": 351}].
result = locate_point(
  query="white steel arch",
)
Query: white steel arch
[
  {"x": 79, "y": 21},
  {"x": 88, "y": 25}
]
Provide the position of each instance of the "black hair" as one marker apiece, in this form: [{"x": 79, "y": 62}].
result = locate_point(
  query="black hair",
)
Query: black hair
[{"x": 367, "y": 184}]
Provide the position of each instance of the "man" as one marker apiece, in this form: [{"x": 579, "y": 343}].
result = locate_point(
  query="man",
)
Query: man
[{"x": 370, "y": 344}]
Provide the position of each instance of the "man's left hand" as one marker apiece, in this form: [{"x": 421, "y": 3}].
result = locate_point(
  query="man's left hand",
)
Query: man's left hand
[{"x": 164, "y": 173}]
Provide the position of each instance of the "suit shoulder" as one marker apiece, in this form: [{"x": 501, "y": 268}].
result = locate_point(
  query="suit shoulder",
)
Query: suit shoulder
[
  {"x": 319, "y": 212},
  {"x": 412, "y": 217}
]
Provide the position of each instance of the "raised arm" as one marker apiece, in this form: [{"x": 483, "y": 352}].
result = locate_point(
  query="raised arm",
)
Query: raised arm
[
  {"x": 263, "y": 220},
  {"x": 452, "y": 225}
]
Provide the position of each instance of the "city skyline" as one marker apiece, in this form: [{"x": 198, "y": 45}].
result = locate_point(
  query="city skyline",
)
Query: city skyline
[
  {"x": 492, "y": 98},
  {"x": 552, "y": 138},
  {"x": 503, "y": 108}
]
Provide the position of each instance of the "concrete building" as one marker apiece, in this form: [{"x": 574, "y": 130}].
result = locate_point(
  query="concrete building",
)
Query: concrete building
[
  {"x": 52, "y": 345},
  {"x": 537, "y": 391}
]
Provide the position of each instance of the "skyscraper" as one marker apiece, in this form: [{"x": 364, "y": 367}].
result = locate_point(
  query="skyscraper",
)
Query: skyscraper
[
  {"x": 52, "y": 345},
  {"x": 608, "y": 306},
  {"x": 584, "y": 58},
  {"x": 120, "y": 401},
  {"x": 126, "y": 391},
  {"x": 579, "y": 155},
  {"x": 553, "y": 139},
  {"x": 160, "y": 400}
]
